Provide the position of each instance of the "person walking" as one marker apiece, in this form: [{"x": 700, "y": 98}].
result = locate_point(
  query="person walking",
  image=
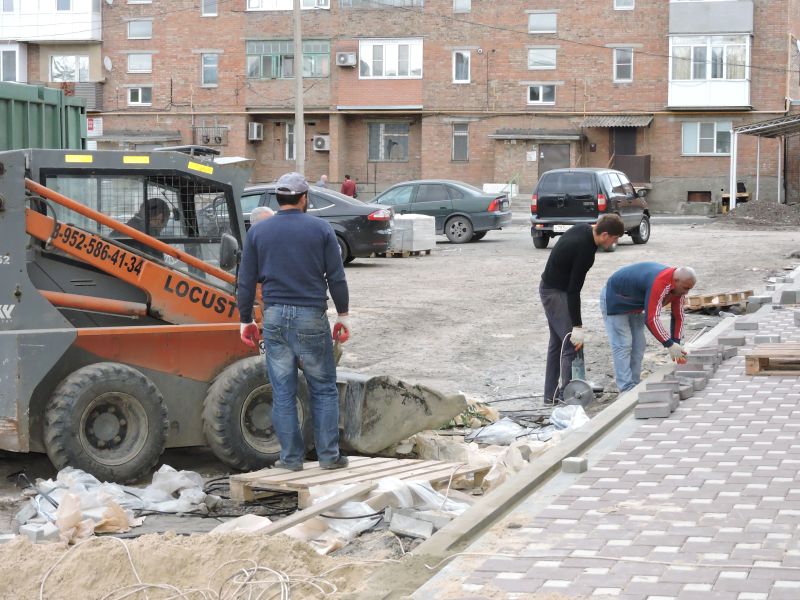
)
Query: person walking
[
  {"x": 323, "y": 181},
  {"x": 348, "y": 187},
  {"x": 560, "y": 292},
  {"x": 631, "y": 300},
  {"x": 296, "y": 259}
]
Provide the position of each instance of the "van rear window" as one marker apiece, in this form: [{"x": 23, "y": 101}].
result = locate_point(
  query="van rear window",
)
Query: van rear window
[{"x": 567, "y": 183}]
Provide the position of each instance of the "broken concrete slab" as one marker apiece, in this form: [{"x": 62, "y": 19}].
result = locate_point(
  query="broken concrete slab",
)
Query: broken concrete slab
[
  {"x": 652, "y": 409},
  {"x": 744, "y": 325},
  {"x": 575, "y": 464},
  {"x": 410, "y": 527},
  {"x": 732, "y": 340},
  {"x": 768, "y": 338}
]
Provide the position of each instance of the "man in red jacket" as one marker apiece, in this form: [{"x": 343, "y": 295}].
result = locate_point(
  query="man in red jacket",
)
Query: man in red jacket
[{"x": 349, "y": 187}]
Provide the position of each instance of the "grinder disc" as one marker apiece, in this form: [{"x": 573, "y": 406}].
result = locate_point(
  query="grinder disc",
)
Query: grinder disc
[{"x": 579, "y": 392}]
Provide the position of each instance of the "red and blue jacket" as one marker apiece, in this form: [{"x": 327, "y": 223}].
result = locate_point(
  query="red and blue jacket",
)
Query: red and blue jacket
[{"x": 647, "y": 287}]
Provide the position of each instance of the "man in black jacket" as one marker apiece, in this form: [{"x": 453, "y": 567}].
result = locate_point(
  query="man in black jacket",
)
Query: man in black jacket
[{"x": 560, "y": 291}]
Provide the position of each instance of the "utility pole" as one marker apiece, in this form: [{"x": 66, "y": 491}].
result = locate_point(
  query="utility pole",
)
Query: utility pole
[{"x": 299, "y": 122}]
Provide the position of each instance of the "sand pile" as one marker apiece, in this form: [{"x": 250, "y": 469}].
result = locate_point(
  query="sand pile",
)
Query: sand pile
[{"x": 100, "y": 567}]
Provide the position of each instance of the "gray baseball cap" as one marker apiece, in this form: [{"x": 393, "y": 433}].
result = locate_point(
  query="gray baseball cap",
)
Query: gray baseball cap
[{"x": 292, "y": 183}]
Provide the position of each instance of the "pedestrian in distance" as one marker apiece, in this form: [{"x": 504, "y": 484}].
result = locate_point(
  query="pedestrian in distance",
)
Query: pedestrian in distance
[
  {"x": 348, "y": 187},
  {"x": 260, "y": 213},
  {"x": 296, "y": 259},
  {"x": 631, "y": 300},
  {"x": 323, "y": 181},
  {"x": 560, "y": 293}
]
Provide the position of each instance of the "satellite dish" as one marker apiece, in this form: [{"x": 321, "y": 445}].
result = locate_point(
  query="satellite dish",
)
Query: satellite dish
[{"x": 107, "y": 63}]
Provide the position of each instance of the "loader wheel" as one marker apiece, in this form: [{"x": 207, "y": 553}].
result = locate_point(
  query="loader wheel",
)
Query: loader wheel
[
  {"x": 237, "y": 416},
  {"x": 109, "y": 420}
]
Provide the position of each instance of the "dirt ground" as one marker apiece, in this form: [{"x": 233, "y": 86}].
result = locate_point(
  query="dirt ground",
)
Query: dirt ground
[{"x": 467, "y": 318}]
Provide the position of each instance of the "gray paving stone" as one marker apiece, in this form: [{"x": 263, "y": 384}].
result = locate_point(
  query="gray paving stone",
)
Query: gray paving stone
[
  {"x": 732, "y": 340},
  {"x": 744, "y": 325},
  {"x": 652, "y": 409}
]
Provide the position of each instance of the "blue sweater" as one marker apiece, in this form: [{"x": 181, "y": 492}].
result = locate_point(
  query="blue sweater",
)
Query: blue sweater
[{"x": 296, "y": 259}]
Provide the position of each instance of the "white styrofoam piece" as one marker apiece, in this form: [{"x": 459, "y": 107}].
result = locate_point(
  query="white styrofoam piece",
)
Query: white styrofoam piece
[{"x": 413, "y": 233}]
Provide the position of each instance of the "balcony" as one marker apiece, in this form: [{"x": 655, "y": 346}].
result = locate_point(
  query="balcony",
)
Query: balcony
[
  {"x": 729, "y": 16},
  {"x": 709, "y": 93},
  {"x": 90, "y": 91},
  {"x": 30, "y": 23},
  {"x": 635, "y": 166}
]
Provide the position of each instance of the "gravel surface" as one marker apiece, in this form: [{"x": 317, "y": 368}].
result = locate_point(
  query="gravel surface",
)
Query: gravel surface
[{"x": 764, "y": 213}]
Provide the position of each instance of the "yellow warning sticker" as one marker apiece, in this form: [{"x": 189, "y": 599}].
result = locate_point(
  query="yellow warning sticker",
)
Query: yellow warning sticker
[
  {"x": 202, "y": 168},
  {"x": 136, "y": 160},
  {"x": 78, "y": 158}
]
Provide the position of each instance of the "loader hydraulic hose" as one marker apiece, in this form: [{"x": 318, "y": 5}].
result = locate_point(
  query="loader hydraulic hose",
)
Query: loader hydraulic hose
[{"x": 135, "y": 234}]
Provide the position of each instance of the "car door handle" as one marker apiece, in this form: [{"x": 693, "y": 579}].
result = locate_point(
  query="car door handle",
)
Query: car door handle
[{"x": 442, "y": 208}]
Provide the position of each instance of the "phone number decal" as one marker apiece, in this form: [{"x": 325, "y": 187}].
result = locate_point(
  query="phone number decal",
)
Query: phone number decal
[{"x": 96, "y": 248}]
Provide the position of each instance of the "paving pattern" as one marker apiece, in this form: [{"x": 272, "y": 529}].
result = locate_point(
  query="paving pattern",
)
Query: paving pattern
[{"x": 702, "y": 505}]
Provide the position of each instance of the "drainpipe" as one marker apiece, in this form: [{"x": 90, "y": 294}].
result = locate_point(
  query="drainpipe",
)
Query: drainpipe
[{"x": 732, "y": 181}]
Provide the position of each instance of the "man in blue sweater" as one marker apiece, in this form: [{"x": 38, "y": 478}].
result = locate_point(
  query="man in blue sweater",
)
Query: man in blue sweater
[{"x": 296, "y": 259}]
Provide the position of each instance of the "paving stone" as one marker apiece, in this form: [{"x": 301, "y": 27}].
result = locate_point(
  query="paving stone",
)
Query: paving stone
[
  {"x": 648, "y": 396},
  {"x": 575, "y": 464},
  {"x": 789, "y": 297},
  {"x": 652, "y": 409},
  {"x": 796, "y": 314},
  {"x": 729, "y": 352},
  {"x": 743, "y": 325},
  {"x": 767, "y": 339}
]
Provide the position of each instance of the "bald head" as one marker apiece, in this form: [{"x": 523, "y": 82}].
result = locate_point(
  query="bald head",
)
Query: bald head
[
  {"x": 684, "y": 279},
  {"x": 260, "y": 213}
]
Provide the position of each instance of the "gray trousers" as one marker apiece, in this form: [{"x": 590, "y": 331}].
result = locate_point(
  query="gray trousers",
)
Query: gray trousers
[{"x": 560, "y": 324}]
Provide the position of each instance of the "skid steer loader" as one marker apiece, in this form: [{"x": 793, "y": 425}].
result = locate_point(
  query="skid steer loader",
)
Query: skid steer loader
[{"x": 119, "y": 330}]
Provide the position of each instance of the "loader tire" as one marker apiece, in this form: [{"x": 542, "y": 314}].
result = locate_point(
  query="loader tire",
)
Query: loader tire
[
  {"x": 237, "y": 416},
  {"x": 108, "y": 419}
]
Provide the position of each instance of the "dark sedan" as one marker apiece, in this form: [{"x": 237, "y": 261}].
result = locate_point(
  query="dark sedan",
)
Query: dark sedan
[
  {"x": 361, "y": 228},
  {"x": 463, "y": 212}
]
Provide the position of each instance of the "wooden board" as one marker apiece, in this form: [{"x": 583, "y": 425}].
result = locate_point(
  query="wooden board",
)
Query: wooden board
[
  {"x": 247, "y": 486},
  {"x": 717, "y": 300},
  {"x": 773, "y": 359}
]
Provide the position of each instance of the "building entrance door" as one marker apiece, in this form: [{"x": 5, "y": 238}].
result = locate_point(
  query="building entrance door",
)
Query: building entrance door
[
  {"x": 553, "y": 156},
  {"x": 623, "y": 141}
]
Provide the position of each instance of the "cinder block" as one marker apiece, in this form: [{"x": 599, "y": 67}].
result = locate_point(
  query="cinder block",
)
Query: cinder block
[
  {"x": 743, "y": 325},
  {"x": 729, "y": 352},
  {"x": 652, "y": 409},
  {"x": 768, "y": 338},
  {"x": 575, "y": 464},
  {"x": 648, "y": 397},
  {"x": 686, "y": 390},
  {"x": 732, "y": 340},
  {"x": 408, "y": 526},
  {"x": 788, "y": 297}
]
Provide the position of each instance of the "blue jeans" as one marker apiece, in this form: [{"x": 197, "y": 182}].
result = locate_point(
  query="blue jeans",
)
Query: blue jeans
[
  {"x": 626, "y": 335},
  {"x": 302, "y": 332}
]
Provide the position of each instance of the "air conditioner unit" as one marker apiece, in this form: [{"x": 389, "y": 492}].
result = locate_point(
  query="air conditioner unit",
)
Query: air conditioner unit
[
  {"x": 346, "y": 59},
  {"x": 322, "y": 143},
  {"x": 255, "y": 132}
]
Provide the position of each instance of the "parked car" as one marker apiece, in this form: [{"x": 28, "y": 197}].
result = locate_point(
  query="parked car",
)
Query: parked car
[
  {"x": 361, "y": 229},
  {"x": 567, "y": 197},
  {"x": 463, "y": 212}
]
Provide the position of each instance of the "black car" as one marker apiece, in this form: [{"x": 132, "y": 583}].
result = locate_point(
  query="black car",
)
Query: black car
[
  {"x": 361, "y": 229},
  {"x": 566, "y": 197},
  {"x": 463, "y": 212}
]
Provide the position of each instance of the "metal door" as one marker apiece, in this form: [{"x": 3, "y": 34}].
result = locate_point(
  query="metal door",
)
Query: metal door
[
  {"x": 623, "y": 141},
  {"x": 553, "y": 156}
]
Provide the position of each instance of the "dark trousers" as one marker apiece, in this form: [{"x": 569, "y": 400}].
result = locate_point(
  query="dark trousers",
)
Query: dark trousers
[{"x": 560, "y": 324}]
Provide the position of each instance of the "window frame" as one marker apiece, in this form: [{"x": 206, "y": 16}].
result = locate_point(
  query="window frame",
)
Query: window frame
[
  {"x": 3, "y": 75},
  {"x": 204, "y": 13},
  {"x": 541, "y": 87},
  {"x": 78, "y": 60},
  {"x": 699, "y": 138},
  {"x": 290, "y": 144},
  {"x": 204, "y": 67},
  {"x": 140, "y": 37},
  {"x": 460, "y": 134},
  {"x": 547, "y": 67},
  {"x": 709, "y": 44},
  {"x": 69, "y": 6},
  {"x": 457, "y": 10},
  {"x": 617, "y": 64},
  {"x": 259, "y": 5},
  {"x": 538, "y": 14},
  {"x": 132, "y": 54},
  {"x": 619, "y": 6},
  {"x": 140, "y": 88},
  {"x": 415, "y": 57},
  {"x": 382, "y": 135},
  {"x": 11, "y": 10},
  {"x": 468, "y": 54},
  {"x": 276, "y": 58}
]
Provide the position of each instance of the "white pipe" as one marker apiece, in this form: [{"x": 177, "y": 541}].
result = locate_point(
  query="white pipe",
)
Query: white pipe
[
  {"x": 780, "y": 167},
  {"x": 758, "y": 164},
  {"x": 732, "y": 181}
]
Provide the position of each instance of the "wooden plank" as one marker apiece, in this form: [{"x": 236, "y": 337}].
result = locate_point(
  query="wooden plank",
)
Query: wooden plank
[{"x": 407, "y": 465}]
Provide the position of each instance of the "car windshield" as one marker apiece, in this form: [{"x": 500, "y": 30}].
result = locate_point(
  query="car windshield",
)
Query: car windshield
[{"x": 567, "y": 183}]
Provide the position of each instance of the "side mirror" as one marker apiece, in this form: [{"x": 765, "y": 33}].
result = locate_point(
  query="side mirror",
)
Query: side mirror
[
  {"x": 642, "y": 192},
  {"x": 228, "y": 252}
]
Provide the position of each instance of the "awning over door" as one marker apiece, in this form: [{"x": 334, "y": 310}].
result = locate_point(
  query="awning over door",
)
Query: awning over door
[
  {"x": 617, "y": 121},
  {"x": 539, "y": 135}
]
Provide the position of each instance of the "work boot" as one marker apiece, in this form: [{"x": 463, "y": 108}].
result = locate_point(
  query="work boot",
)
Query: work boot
[
  {"x": 279, "y": 465},
  {"x": 339, "y": 463}
]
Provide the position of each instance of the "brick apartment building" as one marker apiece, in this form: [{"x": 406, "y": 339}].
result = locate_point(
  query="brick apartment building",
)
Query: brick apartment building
[{"x": 484, "y": 92}]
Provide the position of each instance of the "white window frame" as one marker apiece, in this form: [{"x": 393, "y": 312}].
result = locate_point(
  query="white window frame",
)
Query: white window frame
[
  {"x": 468, "y": 55},
  {"x": 624, "y": 4},
  {"x": 728, "y": 126},
  {"x": 145, "y": 70},
  {"x": 390, "y": 50},
  {"x": 3, "y": 74},
  {"x": 543, "y": 67},
  {"x": 139, "y": 89},
  {"x": 204, "y": 66},
  {"x": 709, "y": 42},
  {"x": 541, "y": 87},
  {"x": 140, "y": 37},
  {"x": 77, "y": 58},
  {"x": 617, "y": 64},
  {"x": 462, "y": 6},
  {"x": 531, "y": 16},
  {"x": 205, "y": 13},
  {"x": 286, "y": 5},
  {"x": 460, "y": 134},
  {"x": 140, "y": 1},
  {"x": 291, "y": 144}
]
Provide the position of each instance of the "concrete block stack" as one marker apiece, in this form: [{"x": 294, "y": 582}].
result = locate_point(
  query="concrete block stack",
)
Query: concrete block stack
[{"x": 413, "y": 233}]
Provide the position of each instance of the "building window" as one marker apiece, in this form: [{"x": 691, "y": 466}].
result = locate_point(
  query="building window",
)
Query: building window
[
  {"x": 461, "y": 66},
  {"x": 388, "y": 142},
  {"x": 209, "y": 8},
  {"x": 623, "y": 4},
  {"x": 8, "y": 66},
  {"x": 63, "y": 4},
  {"x": 290, "y": 147},
  {"x": 462, "y": 6},
  {"x": 390, "y": 59},
  {"x": 275, "y": 59},
  {"x": 210, "y": 64},
  {"x": 541, "y": 94},
  {"x": 140, "y": 30},
  {"x": 709, "y": 57},
  {"x": 460, "y": 141},
  {"x": 382, "y": 3},
  {"x": 623, "y": 64},
  {"x": 710, "y": 138},
  {"x": 140, "y": 63},
  {"x": 140, "y": 96},
  {"x": 542, "y": 22},
  {"x": 8, "y": 5},
  {"x": 285, "y": 4},
  {"x": 69, "y": 68},
  {"x": 541, "y": 58}
]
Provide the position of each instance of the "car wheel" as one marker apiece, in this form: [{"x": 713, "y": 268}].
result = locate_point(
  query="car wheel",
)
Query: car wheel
[
  {"x": 641, "y": 234},
  {"x": 478, "y": 235},
  {"x": 541, "y": 241},
  {"x": 458, "y": 230},
  {"x": 346, "y": 256}
]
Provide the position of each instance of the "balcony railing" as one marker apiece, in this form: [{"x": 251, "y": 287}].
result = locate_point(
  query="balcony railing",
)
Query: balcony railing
[
  {"x": 635, "y": 166},
  {"x": 90, "y": 91}
]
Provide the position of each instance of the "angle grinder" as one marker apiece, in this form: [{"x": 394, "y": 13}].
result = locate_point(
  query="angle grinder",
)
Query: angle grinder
[{"x": 578, "y": 390}]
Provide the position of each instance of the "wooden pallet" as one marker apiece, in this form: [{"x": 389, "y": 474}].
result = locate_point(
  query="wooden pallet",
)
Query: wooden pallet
[
  {"x": 717, "y": 300},
  {"x": 402, "y": 253},
  {"x": 248, "y": 486},
  {"x": 773, "y": 359}
]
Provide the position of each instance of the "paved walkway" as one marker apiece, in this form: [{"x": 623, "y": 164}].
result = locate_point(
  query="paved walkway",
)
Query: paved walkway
[{"x": 702, "y": 505}]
